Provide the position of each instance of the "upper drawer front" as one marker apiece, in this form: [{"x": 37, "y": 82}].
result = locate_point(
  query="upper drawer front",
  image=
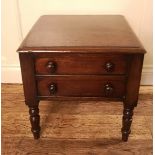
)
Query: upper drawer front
[
  {"x": 85, "y": 64},
  {"x": 81, "y": 86}
]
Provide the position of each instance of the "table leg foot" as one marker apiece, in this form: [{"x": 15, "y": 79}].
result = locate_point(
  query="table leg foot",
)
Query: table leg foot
[
  {"x": 126, "y": 122},
  {"x": 35, "y": 121},
  {"x": 125, "y": 136}
]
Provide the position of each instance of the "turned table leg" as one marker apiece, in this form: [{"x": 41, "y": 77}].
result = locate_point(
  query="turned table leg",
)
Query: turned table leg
[
  {"x": 132, "y": 91},
  {"x": 30, "y": 90},
  {"x": 35, "y": 121},
  {"x": 126, "y": 122}
]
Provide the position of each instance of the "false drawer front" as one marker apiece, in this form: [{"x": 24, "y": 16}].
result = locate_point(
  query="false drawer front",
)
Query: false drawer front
[
  {"x": 84, "y": 64},
  {"x": 81, "y": 86}
]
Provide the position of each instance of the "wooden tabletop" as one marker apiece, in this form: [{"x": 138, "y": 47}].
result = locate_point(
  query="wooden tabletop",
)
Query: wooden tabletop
[{"x": 75, "y": 32}]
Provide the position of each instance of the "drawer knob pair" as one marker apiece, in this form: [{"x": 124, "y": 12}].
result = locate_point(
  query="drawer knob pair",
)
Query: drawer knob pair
[
  {"x": 109, "y": 89},
  {"x": 109, "y": 66},
  {"x": 51, "y": 66}
]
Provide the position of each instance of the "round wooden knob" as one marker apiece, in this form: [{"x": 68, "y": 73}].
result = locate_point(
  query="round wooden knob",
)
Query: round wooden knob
[
  {"x": 109, "y": 66},
  {"x": 108, "y": 88},
  {"x": 52, "y": 88},
  {"x": 51, "y": 66}
]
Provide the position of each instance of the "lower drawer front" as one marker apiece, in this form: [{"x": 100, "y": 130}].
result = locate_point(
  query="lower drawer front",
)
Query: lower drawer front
[{"x": 81, "y": 86}]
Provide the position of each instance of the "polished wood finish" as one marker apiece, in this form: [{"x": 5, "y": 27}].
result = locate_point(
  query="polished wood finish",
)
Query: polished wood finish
[
  {"x": 131, "y": 97},
  {"x": 72, "y": 32},
  {"x": 134, "y": 76},
  {"x": 75, "y": 128},
  {"x": 85, "y": 57},
  {"x": 28, "y": 77},
  {"x": 35, "y": 121},
  {"x": 30, "y": 91},
  {"x": 81, "y": 64},
  {"x": 82, "y": 86},
  {"x": 126, "y": 121}
]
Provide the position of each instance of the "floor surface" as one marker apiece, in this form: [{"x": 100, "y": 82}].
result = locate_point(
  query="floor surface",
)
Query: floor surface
[{"x": 75, "y": 128}]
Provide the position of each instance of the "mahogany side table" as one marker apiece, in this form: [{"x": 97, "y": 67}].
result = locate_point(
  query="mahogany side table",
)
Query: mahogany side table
[{"x": 81, "y": 57}]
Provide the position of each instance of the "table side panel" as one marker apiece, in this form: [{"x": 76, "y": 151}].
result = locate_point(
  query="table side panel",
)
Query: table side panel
[{"x": 28, "y": 78}]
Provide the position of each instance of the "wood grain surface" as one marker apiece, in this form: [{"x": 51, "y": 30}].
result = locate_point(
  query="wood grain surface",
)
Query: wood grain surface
[
  {"x": 81, "y": 86},
  {"x": 68, "y": 32},
  {"x": 85, "y": 64},
  {"x": 74, "y": 127}
]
